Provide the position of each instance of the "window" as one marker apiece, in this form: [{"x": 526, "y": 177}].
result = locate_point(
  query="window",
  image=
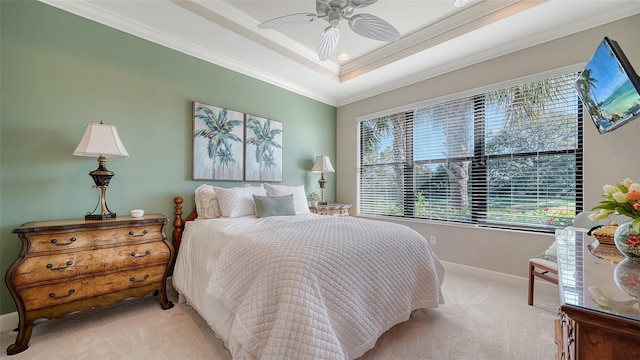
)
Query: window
[{"x": 510, "y": 157}]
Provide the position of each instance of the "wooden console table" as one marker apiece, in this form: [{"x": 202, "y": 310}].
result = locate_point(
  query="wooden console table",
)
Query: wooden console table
[{"x": 598, "y": 320}]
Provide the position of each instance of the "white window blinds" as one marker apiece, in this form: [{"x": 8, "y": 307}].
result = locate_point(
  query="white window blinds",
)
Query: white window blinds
[{"x": 508, "y": 158}]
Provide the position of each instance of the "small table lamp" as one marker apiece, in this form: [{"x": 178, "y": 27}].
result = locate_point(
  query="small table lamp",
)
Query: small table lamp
[
  {"x": 101, "y": 140},
  {"x": 321, "y": 165}
]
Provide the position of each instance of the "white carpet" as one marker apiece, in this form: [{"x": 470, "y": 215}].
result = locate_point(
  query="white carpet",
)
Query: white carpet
[{"x": 481, "y": 320}]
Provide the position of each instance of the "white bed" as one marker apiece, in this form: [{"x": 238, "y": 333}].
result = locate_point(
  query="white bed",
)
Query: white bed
[{"x": 303, "y": 286}]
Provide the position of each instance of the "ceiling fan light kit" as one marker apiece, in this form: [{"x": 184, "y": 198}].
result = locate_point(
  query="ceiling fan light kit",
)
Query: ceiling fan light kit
[
  {"x": 333, "y": 11},
  {"x": 344, "y": 57}
]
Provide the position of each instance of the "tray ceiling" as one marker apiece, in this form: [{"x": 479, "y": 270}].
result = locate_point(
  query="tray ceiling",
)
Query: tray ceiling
[{"x": 436, "y": 37}]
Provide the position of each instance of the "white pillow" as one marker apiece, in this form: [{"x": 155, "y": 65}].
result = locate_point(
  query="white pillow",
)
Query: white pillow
[
  {"x": 299, "y": 195},
  {"x": 238, "y": 201},
  {"x": 207, "y": 204}
]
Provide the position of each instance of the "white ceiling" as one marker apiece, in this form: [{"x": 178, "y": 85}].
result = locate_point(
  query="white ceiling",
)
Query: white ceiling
[{"x": 436, "y": 37}]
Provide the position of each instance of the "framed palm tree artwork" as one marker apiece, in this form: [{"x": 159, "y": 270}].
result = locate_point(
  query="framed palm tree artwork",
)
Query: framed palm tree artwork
[
  {"x": 218, "y": 145},
  {"x": 263, "y": 156}
]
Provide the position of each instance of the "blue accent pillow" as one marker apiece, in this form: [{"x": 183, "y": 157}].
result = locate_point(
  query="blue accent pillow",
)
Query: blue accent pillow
[{"x": 274, "y": 205}]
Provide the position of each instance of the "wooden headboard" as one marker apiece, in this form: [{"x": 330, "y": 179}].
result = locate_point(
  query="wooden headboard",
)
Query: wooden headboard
[{"x": 178, "y": 222}]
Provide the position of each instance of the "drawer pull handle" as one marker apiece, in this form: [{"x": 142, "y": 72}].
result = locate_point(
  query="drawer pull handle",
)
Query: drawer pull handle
[
  {"x": 146, "y": 253},
  {"x": 53, "y": 295},
  {"x": 50, "y": 266},
  {"x": 143, "y": 233},
  {"x": 133, "y": 280},
  {"x": 56, "y": 243}
]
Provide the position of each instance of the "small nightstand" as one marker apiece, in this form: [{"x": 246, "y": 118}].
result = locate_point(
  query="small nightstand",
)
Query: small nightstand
[{"x": 331, "y": 209}]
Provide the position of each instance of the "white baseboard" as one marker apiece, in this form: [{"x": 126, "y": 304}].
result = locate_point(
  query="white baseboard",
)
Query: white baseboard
[{"x": 519, "y": 281}]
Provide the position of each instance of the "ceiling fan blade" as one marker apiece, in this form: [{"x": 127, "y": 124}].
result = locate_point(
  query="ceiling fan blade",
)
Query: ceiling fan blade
[
  {"x": 360, "y": 3},
  {"x": 288, "y": 20},
  {"x": 373, "y": 27},
  {"x": 327, "y": 42}
]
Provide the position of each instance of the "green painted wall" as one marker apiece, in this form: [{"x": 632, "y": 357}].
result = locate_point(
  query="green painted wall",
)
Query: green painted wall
[{"x": 60, "y": 72}]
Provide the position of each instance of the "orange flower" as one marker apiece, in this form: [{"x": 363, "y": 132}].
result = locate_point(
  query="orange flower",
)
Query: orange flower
[
  {"x": 634, "y": 192},
  {"x": 623, "y": 198}
]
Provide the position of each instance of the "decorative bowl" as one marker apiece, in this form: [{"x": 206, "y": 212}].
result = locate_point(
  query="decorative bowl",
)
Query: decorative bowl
[
  {"x": 137, "y": 213},
  {"x": 627, "y": 240}
]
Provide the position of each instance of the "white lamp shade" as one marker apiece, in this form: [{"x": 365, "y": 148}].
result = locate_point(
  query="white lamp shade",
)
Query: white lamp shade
[
  {"x": 100, "y": 139},
  {"x": 322, "y": 164}
]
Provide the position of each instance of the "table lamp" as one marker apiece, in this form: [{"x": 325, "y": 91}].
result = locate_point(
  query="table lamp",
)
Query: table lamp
[
  {"x": 102, "y": 141},
  {"x": 321, "y": 165}
]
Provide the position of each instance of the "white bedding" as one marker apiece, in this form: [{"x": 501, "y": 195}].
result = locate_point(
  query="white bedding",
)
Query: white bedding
[{"x": 305, "y": 286}]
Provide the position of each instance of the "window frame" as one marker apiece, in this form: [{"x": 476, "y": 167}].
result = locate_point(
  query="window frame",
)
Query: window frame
[{"x": 479, "y": 158}]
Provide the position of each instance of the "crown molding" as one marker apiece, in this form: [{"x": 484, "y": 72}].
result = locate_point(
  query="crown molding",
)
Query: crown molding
[
  {"x": 89, "y": 11},
  {"x": 234, "y": 20},
  {"x": 539, "y": 38},
  {"x": 225, "y": 16},
  {"x": 426, "y": 37}
]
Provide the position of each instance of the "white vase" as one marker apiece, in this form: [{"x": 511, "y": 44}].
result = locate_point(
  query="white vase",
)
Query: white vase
[{"x": 314, "y": 203}]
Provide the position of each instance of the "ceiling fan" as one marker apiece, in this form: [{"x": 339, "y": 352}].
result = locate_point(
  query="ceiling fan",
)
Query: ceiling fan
[{"x": 333, "y": 11}]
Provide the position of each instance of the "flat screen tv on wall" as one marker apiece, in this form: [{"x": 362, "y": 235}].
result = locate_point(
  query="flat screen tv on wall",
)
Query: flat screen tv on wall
[{"x": 609, "y": 87}]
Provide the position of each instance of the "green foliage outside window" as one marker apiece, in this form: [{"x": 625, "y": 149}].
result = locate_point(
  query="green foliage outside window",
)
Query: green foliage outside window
[{"x": 510, "y": 158}]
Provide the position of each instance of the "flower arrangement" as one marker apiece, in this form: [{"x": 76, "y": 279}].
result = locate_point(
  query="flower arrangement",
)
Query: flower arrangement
[
  {"x": 623, "y": 198},
  {"x": 313, "y": 196}
]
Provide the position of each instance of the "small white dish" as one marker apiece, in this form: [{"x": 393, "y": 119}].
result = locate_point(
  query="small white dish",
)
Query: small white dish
[{"x": 137, "y": 213}]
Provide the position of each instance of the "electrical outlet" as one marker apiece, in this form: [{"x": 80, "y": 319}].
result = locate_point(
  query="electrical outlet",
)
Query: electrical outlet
[{"x": 432, "y": 240}]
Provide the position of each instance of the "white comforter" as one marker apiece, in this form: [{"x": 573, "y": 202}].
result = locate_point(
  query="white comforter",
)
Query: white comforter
[{"x": 312, "y": 287}]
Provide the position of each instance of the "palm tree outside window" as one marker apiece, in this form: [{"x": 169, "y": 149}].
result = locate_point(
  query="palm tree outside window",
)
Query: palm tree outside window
[{"x": 510, "y": 157}]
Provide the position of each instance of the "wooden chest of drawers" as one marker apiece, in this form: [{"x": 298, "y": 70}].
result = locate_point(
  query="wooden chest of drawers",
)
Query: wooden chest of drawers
[{"x": 72, "y": 265}]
